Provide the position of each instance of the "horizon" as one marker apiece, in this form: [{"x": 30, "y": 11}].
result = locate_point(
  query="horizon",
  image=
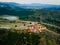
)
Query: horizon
[
  {"x": 29, "y": 3},
  {"x": 52, "y": 2}
]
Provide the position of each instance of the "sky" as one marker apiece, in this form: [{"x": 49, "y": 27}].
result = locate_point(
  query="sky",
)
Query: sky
[{"x": 55, "y": 2}]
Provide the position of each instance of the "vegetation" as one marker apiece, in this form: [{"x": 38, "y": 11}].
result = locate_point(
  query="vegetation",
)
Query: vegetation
[
  {"x": 23, "y": 37},
  {"x": 51, "y": 17}
]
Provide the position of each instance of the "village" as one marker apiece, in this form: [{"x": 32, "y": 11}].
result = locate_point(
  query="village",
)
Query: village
[
  {"x": 24, "y": 25},
  {"x": 36, "y": 27},
  {"x": 33, "y": 27}
]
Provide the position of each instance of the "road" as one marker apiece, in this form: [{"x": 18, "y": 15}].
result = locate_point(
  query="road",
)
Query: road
[{"x": 51, "y": 25}]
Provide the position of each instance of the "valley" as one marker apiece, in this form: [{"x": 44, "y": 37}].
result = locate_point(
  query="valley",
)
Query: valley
[{"x": 33, "y": 24}]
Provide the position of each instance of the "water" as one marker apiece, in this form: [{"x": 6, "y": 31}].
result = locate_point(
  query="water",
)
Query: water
[{"x": 11, "y": 17}]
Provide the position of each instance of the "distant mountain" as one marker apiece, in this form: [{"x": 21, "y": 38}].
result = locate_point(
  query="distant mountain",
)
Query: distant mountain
[
  {"x": 11, "y": 8},
  {"x": 31, "y": 6},
  {"x": 43, "y": 6}
]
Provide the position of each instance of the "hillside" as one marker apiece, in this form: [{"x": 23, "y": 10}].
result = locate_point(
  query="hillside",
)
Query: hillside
[{"x": 28, "y": 38}]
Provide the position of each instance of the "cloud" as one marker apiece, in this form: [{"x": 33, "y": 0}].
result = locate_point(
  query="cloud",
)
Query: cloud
[{"x": 34, "y": 1}]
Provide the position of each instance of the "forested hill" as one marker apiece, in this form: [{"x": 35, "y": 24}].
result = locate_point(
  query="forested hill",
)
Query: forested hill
[
  {"x": 23, "y": 37},
  {"x": 14, "y": 11}
]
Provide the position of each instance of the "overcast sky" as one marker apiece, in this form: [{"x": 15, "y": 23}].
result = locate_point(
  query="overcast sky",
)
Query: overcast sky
[{"x": 55, "y": 2}]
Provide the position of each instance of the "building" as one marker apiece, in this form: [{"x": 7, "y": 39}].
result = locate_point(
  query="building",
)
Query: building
[{"x": 35, "y": 27}]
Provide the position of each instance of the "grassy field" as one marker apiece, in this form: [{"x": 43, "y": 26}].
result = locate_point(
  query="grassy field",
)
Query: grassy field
[
  {"x": 18, "y": 24},
  {"x": 12, "y": 24}
]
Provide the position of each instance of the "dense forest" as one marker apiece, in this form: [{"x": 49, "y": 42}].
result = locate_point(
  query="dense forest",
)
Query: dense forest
[{"x": 51, "y": 17}]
